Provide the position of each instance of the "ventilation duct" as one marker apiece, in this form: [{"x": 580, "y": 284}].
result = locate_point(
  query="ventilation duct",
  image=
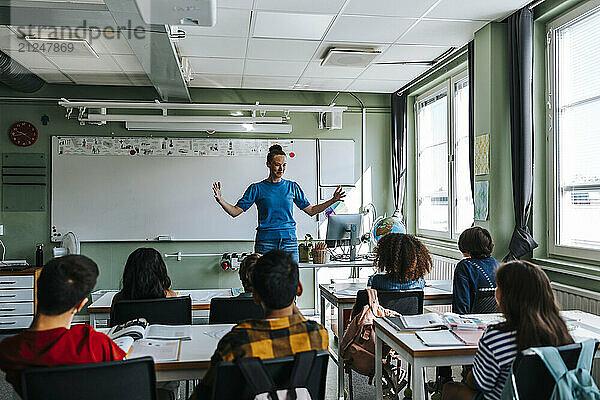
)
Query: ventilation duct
[{"x": 17, "y": 77}]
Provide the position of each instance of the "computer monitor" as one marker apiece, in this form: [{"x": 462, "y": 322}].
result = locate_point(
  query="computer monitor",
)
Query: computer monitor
[{"x": 344, "y": 229}]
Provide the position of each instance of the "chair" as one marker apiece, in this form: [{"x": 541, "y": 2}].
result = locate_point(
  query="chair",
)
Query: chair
[
  {"x": 231, "y": 310},
  {"x": 533, "y": 379},
  {"x": 280, "y": 371},
  {"x": 405, "y": 302},
  {"x": 165, "y": 311},
  {"x": 115, "y": 380},
  {"x": 484, "y": 302}
]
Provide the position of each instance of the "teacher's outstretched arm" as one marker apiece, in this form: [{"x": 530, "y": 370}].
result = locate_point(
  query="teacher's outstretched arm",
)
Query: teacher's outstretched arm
[
  {"x": 230, "y": 209},
  {"x": 338, "y": 195}
]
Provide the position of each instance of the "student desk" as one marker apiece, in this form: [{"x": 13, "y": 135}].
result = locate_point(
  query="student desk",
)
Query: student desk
[
  {"x": 194, "y": 355},
  {"x": 413, "y": 351},
  {"x": 100, "y": 309},
  {"x": 343, "y": 296}
]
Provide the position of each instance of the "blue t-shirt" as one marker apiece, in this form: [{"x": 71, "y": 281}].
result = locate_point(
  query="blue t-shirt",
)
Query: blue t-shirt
[
  {"x": 385, "y": 282},
  {"x": 471, "y": 274},
  {"x": 275, "y": 207}
]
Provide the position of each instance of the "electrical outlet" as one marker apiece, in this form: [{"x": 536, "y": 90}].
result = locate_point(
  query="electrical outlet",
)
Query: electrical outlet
[{"x": 1, "y": 230}]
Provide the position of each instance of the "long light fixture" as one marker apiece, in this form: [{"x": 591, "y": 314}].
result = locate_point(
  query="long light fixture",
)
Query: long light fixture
[
  {"x": 208, "y": 127},
  {"x": 179, "y": 118}
]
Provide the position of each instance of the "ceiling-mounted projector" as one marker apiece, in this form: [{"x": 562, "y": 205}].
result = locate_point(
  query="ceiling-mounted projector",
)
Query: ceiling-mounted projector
[{"x": 178, "y": 12}]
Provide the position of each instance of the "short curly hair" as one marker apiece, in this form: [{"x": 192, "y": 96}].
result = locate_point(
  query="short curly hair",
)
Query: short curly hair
[
  {"x": 246, "y": 270},
  {"x": 402, "y": 257}
]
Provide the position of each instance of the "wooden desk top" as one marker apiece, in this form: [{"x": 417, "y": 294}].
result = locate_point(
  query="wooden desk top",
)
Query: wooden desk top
[
  {"x": 346, "y": 292},
  {"x": 589, "y": 328},
  {"x": 200, "y": 299},
  {"x": 195, "y": 353}
]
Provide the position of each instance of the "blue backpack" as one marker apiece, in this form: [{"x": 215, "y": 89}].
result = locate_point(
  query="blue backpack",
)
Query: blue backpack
[{"x": 575, "y": 384}]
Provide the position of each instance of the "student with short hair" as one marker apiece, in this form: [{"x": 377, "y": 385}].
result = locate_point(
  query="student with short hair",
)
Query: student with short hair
[
  {"x": 477, "y": 270},
  {"x": 402, "y": 261},
  {"x": 62, "y": 290},
  {"x": 533, "y": 319},
  {"x": 245, "y": 271},
  {"x": 144, "y": 277},
  {"x": 276, "y": 285}
]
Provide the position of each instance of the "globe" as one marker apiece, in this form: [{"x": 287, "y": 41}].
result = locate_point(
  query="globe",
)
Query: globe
[{"x": 384, "y": 225}]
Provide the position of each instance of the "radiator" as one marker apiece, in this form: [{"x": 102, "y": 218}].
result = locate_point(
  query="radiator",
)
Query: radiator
[
  {"x": 573, "y": 298},
  {"x": 443, "y": 268}
]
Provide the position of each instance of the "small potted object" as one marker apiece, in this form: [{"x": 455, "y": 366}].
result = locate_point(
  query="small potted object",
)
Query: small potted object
[
  {"x": 319, "y": 253},
  {"x": 305, "y": 247}
]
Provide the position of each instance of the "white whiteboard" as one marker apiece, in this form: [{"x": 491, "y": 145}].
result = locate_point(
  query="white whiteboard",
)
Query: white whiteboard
[
  {"x": 101, "y": 192},
  {"x": 336, "y": 163}
]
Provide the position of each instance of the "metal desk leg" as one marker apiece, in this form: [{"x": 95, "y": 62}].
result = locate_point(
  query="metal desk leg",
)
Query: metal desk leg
[
  {"x": 340, "y": 318},
  {"x": 316, "y": 289},
  {"x": 378, "y": 368},
  {"x": 323, "y": 311},
  {"x": 93, "y": 320}
]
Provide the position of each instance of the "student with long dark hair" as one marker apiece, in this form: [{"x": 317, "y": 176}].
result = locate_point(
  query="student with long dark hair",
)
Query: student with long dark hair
[
  {"x": 533, "y": 319},
  {"x": 145, "y": 277}
]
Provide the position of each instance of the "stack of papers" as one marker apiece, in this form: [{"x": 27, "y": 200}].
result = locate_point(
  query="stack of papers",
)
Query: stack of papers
[
  {"x": 421, "y": 321},
  {"x": 159, "y": 350},
  {"x": 439, "y": 338},
  {"x": 469, "y": 337}
]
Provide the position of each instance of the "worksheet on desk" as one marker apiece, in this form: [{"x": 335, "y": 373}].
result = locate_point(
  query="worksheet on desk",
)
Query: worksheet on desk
[{"x": 159, "y": 350}]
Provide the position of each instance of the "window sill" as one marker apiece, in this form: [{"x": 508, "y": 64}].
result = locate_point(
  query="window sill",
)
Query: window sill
[
  {"x": 569, "y": 268},
  {"x": 440, "y": 247}
]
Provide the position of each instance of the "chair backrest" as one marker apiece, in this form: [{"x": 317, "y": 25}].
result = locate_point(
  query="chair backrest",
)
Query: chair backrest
[
  {"x": 166, "y": 311},
  {"x": 405, "y": 302},
  {"x": 115, "y": 380},
  {"x": 533, "y": 379},
  {"x": 280, "y": 371},
  {"x": 484, "y": 302},
  {"x": 231, "y": 310}
]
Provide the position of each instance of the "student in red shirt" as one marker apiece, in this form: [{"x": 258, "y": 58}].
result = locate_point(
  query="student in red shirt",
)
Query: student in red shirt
[{"x": 63, "y": 287}]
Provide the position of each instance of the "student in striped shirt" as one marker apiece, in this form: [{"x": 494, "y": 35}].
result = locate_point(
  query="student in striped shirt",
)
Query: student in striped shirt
[{"x": 532, "y": 317}]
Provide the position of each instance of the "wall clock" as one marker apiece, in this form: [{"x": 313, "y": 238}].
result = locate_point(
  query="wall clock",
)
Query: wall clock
[{"x": 23, "y": 134}]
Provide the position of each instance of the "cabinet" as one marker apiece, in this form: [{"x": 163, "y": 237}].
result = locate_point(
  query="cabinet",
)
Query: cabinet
[{"x": 18, "y": 298}]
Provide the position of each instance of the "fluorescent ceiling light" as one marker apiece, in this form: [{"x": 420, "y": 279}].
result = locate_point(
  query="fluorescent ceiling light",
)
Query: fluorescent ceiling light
[
  {"x": 182, "y": 118},
  {"x": 207, "y": 127}
]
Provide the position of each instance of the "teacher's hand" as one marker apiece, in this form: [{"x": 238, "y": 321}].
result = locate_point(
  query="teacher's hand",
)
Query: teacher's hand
[
  {"x": 339, "y": 194},
  {"x": 217, "y": 190}
]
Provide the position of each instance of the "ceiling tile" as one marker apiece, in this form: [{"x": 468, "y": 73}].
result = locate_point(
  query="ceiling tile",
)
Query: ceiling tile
[
  {"x": 398, "y": 52},
  {"x": 212, "y": 46},
  {"x": 10, "y": 41},
  {"x": 315, "y": 70},
  {"x": 104, "y": 63},
  {"x": 290, "y": 26},
  {"x": 139, "y": 79},
  {"x": 30, "y": 59},
  {"x": 368, "y": 29},
  {"x": 268, "y": 82},
  {"x": 390, "y": 8},
  {"x": 442, "y": 33},
  {"x": 51, "y": 75},
  {"x": 475, "y": 9},
  {"x": 242, "y": 4},
  {"x": 117, "y": 43},
  {"x": 323, "y": 84},
  {"x": 129, "y": 63},
  {"x": 274, "y": 68},
  {"x": 376, "y": 86},
  {"x": 393, "y": 72},
  {"x": 281, "y": 49},
  {"x": 89, "y": 78},
  {"x": 230, "y": 22},
  {"x": 217, "y": 65},
  {"x": 313, "y": 6},
  {"x": 216, "y": 80}
]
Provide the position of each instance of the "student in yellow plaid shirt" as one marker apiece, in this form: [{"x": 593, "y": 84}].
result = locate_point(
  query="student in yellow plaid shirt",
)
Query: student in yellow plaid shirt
[{"x": 283, "y": 332}]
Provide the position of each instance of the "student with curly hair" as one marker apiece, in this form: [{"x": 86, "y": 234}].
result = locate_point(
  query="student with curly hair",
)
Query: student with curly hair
[
  {"x": 477, "y": 270},
  {"x": 402, "y": 261}
]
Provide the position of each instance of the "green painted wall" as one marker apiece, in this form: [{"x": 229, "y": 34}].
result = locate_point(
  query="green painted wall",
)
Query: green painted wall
[{"x": 24, "y": 229}]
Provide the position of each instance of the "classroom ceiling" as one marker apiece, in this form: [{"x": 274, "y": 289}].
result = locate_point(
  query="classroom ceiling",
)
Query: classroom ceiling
[{"x": 267, "y": 44}]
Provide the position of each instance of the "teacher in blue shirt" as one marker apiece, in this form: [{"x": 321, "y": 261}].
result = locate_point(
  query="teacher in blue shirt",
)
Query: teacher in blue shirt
[{"x": 274, "y": 197}]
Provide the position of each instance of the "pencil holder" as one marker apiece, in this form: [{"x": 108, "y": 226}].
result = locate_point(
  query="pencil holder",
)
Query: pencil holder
[{"x": 319, "y": 256}]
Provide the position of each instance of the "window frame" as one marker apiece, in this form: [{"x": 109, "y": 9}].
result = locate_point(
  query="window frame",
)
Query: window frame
[
  {"x": 447, "y": 85},
  {"x": 552, "y": 176}
]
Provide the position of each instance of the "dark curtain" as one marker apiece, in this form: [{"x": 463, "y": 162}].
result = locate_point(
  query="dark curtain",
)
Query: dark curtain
[
  {"x": 471, "y": 56},
  {"x": 399, "y": 150},
  {"x": 520, "y": 42}
]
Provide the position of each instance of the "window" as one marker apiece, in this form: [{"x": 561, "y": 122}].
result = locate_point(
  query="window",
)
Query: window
[
  {"x": 574, "y": 127},
  {"x": 444, "y": 200}
]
